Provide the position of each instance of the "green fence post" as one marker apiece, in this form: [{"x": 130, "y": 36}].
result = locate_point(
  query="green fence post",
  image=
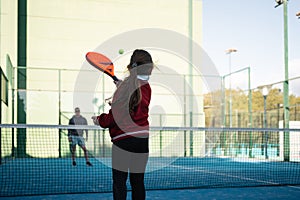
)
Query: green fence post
[
  {"x": 59, "y": 111},
  {"x": 22, "y": 76},
  {"x": 286, "y": 153}
]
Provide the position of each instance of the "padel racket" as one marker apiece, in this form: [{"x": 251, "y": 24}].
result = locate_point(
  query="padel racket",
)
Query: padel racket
[{"x": 102, "y": 63}]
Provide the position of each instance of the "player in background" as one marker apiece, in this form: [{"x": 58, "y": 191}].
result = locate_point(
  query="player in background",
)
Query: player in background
[{"x": 75, "y": 136}]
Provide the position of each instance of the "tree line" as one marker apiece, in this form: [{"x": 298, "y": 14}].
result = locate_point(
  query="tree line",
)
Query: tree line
[{"x": 274, "y": 106}]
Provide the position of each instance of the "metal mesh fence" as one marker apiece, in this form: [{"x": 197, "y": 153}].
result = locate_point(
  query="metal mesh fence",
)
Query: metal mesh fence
[{"x": 178, "y": 158}]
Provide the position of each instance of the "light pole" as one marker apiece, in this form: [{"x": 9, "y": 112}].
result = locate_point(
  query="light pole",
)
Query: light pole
[
  {"x": 286, "y": 153},
  {"x": 265, "y": 92},
  {"x": 229, "y": 52}
]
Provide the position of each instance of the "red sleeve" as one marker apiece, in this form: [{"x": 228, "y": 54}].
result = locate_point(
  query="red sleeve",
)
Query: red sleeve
[
  {"x": 106, "y": 120},
  {"x": 146, "y": 93}
]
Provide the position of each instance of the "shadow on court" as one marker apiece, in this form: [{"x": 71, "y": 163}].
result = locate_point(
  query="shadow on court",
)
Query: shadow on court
[
  {"x": 266, "y": 193},
  {"x": 218, "y": 178}
]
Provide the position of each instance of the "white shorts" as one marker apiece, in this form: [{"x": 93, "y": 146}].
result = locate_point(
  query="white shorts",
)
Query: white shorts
[{"x": 78, "y": 140}]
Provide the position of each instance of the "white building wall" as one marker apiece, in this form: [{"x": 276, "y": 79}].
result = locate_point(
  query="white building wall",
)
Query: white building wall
[
  {"x": 60, "y": 32},
  {"x": 8, "y": 44}
]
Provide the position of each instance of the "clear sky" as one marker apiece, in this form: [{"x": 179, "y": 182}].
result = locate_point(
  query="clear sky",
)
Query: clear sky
[{"x": 255, "y": 29}]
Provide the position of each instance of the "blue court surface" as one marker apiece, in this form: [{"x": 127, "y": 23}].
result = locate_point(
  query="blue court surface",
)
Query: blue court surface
[{"x": 166, "y": 178}]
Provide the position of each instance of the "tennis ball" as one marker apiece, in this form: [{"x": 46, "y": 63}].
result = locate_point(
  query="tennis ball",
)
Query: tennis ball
[{"x": 121, "y": 51}]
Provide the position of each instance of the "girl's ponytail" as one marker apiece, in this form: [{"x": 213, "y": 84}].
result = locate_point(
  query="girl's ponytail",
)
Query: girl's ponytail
[
  {"x": 134, "y": 88},
  {"x": 129, "y": 92}
]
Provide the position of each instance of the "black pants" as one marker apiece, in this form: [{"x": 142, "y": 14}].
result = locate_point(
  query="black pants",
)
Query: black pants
[{"x": 131, "y": 155}]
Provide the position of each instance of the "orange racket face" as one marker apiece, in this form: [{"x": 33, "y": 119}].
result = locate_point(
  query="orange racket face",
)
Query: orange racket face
[{"x": 102, "y": 63}]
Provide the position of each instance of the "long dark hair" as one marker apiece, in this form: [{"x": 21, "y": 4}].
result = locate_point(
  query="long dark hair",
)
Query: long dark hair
[{"x": 128, "y": 92}]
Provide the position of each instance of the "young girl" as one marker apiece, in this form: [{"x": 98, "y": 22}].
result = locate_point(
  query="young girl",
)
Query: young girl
[{"x": 128, "y": 126}]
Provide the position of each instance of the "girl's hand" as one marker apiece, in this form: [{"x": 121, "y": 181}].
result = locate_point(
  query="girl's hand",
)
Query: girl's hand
[
  {"x": 95, "y": 120},
  {"x": 108, "y": 100}
]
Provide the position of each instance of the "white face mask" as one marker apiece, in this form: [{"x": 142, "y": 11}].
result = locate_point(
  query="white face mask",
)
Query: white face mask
[{"x": 143, "y": 77}]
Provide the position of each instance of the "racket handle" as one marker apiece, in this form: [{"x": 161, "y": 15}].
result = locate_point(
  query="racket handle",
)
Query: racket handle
[{"x": 115, "y": 78}]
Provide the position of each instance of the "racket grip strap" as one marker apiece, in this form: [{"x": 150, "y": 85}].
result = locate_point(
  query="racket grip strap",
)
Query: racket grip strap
[{"x": 115, "y": 78}]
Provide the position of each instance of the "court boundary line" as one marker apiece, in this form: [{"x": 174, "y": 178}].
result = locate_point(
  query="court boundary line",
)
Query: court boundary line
[
  {"x": 222, "y": 174},
  {"x": 233, "y": 176}
]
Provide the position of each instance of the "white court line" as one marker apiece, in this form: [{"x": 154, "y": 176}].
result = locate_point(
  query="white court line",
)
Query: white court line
[
  {"x": 222, "y": 174},
  {"x": 296, "y": 187}
]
